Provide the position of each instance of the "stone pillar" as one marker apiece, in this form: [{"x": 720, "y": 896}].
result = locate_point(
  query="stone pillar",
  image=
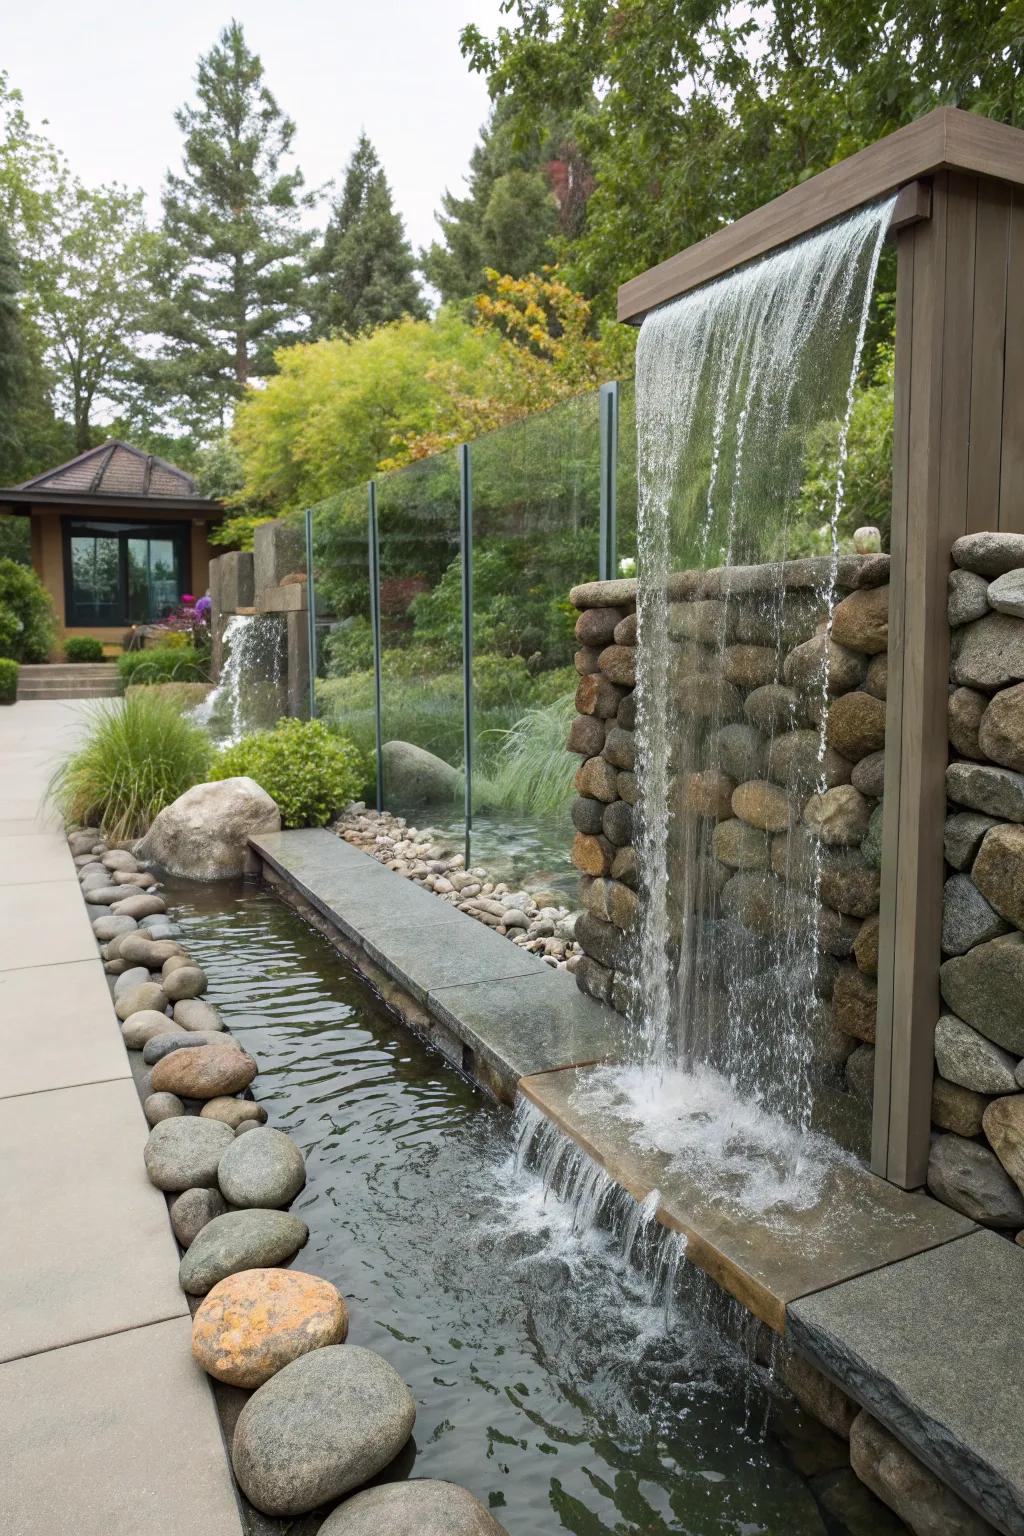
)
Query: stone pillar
[{"x": 279, "y": 551}]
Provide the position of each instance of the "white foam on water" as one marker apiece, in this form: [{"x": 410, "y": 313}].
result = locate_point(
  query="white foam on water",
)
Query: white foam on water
[{"x": 743, "y": 1156}]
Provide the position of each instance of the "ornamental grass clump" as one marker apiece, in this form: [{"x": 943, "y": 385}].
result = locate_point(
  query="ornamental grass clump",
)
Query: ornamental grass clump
[
  {"x": 311, "y": 771},
  {"x": 139, "y": 755}
]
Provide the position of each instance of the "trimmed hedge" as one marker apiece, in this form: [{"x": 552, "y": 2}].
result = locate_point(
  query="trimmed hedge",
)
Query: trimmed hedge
[
  {"x": 8, "y": 680},
  {"x": 83, "y": 648}
]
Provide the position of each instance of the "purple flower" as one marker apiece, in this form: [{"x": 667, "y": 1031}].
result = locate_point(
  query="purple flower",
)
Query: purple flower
[{"x": 203, "y": 607}]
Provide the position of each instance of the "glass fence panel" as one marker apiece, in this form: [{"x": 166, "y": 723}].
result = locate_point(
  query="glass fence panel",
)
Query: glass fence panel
[
  {"x": 421, "y": 643},
  {"x": 536, "y": 532},
  {"x": 343, "y": 663},
  {"x": 626, "y": 479}
]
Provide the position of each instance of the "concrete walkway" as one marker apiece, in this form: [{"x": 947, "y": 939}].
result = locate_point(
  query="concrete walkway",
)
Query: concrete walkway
[{"x": 106, "y": 1425}]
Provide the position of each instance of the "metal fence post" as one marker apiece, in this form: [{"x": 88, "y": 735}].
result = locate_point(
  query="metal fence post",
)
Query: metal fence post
[
  {"x": 311, "y": 612},
  {"x": 374, "y": 538},
  {"x": 466, "y": 550},
  {"x": 608, "y": 407}
]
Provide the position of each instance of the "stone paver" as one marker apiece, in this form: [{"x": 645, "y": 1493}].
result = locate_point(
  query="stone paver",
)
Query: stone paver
[
  {"x": 114, "y": 1437},
  {"x": 934, "y": 1347},
  {"x": 56, "y": 1033},
  {"x": 91, "y": 1237},
  {"x": 97, "y": 1384}
]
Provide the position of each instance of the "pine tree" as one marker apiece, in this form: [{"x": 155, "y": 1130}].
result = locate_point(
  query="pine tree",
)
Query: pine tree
[
  {"x": 364, "y": 270},
  {"x": 521, "y": 196},
  {"x": 230, "y": 269}
]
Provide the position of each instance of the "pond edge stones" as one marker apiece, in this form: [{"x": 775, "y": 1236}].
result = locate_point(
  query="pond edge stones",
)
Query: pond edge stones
[
  {"x": 321, "y": 1426},
  {"x": 255, "y": 1322},
  {"x": 264, "y": 1168}
]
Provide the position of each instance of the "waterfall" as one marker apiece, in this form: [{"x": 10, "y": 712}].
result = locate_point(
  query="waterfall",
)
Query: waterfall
[
  {"x": 247, "y": 696},
  {"x": 732, "y": 381}
]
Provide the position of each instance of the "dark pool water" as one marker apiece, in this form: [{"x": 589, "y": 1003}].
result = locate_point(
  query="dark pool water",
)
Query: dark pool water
[{"x": 545, "y": 1379}]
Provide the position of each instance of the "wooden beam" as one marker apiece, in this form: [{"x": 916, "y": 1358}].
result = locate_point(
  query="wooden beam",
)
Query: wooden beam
[
  {"x": 913, "y": 203},
  {"x": 947, "y": 139}
]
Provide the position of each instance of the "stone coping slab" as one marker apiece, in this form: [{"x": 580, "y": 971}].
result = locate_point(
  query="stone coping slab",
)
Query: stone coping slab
[
  {"x": 95, "y": 1252},
  {"x": 529, "y": 1024},
  {"x": 767, "y": 1261},
  {"x": 512, "y": 1012},
  {"x": 57, "y": 1029},
  {"x": 114, "y": 1437},
  {"x": 934, "y": 1348}
]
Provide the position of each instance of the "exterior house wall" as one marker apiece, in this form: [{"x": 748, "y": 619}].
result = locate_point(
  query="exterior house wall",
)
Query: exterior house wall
[{"x": 48, "y": 557}]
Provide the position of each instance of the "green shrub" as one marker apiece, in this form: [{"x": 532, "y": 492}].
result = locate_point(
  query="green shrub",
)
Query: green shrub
[
  {"x": 8, "y": 680},
  {"x": 348, "y": 647},
  {"x": 163, "y": 664},
  {"x": 27, "y": 625},
  {"x": 310, "y": 771},
  {"x": 83, "y": 648},
  {"x": 139, "y": 755}
]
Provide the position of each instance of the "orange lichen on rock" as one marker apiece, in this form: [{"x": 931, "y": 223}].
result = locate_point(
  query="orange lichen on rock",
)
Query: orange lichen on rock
[{"x": 257, "y": 1321}]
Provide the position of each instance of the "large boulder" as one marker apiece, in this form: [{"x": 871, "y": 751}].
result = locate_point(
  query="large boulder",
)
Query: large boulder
[
  {"x": 415, "y": 777},
  {"x": 419, "y": 1507},
  {"x": 323, "y": 1425},
  {"x": 203, "y": 834}
]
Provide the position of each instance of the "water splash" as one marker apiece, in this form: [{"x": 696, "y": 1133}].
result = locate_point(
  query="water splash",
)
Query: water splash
[
  {"x": 732, "y": 379},
  {"x": 247, "y": 695}
]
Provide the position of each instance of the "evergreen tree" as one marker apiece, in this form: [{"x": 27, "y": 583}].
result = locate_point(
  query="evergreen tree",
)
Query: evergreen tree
[
  {"x": 364, "y": 270},
  {"x": 522, "y": 194},
  {"x": 229, "y": 274},
  {"x": 12, "y": 342}
]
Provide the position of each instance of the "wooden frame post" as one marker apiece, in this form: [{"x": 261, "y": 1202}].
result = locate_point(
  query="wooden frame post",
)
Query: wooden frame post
[{"x": 957, "y": 449}]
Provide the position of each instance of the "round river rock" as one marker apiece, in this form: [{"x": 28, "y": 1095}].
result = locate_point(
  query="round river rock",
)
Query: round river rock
[
  {"x": 265, "y": 1169},
  {"x": 162, "y": 1106},
  {"x": 147, "y": 995},
  {"x": 241, "y": 1240},
  {"x": 419, "y": 1507},
  {"x": 191, "y": 1211},
  {"x": 233, "y": 1112},
  {"x": 193, "y": 1013},
  {"x": 187, "y": 981},
  {"x": 140, "y": 1027},
  {"x": 184, "y": 1152},
  {"x": 176, "y": 1039},
  {"x": 253, "y": 1324},
  {"x": 322, "y": 1426},
  {"x": 205, "y": 1072}
]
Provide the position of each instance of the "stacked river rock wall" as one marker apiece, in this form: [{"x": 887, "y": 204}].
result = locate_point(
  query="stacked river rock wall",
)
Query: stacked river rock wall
[
  {"x": 781, "y": 733},
  {"x": 977, "y": 1158}
]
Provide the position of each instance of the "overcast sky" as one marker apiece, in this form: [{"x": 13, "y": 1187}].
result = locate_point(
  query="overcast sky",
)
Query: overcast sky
[{"x": 109, "y": 75}]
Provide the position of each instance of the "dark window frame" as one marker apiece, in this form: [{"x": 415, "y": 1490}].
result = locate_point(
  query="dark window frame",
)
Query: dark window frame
[{"x": 123, "y": 529}]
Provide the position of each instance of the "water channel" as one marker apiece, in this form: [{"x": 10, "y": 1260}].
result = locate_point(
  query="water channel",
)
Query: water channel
[{"x": 552, "y": 1377}]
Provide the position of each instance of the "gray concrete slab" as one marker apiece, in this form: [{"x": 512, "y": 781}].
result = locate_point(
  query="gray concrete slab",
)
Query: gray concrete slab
[
  {"x": 530, "y": 1024},
  {"x": 114, "y": 1437},
  {"x": 934, "y": 1348},
  {"x": 93, "y": 1246},
  {"x": 57, "y": 1029},
  {"x": 447, "y": 953},
  {"x": 28, "y": 857},
  {"x": 44, "y": 924}
]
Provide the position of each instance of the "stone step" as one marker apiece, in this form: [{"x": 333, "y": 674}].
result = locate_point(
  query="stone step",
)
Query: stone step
[
  {"x": 69, "y": 669},
  {"x": 33, "y": 691}
]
